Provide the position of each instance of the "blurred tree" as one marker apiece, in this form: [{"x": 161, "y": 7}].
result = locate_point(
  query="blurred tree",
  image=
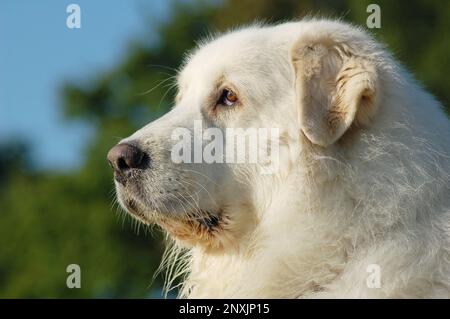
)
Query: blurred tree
[
  {"x": 50, "y": 220},
  {"x": 14, "y": 155}
]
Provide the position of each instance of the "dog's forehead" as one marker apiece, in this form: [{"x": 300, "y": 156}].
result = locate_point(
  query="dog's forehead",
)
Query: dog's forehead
[{"x": 243, "y": 51}]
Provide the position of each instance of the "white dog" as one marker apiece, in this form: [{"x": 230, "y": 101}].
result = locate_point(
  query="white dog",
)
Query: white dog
[{"x": 360, "y": 204}]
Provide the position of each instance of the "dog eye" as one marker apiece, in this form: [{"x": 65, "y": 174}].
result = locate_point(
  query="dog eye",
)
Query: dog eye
[{"x": 228, "y": 98}]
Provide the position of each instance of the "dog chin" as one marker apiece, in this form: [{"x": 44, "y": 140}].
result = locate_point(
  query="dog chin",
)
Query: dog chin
[{"x": 204, "y": 228}]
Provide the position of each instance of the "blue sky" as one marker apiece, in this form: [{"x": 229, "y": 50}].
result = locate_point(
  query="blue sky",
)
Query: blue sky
[{"x": 38, "y": 53}]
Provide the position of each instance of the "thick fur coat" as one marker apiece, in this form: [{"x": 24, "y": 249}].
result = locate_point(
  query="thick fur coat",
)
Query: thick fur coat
[{"x": 360, "y": 205}]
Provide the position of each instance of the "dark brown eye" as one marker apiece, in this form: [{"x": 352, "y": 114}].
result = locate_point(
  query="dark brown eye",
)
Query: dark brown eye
[{"x": 228, "y": 98}]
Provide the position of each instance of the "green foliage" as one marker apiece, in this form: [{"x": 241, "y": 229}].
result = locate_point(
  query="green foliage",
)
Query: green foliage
[{"x": 49, "y": 220}]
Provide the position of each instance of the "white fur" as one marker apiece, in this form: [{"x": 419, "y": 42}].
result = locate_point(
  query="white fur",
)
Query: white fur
[{"x": 375, "y": 189}]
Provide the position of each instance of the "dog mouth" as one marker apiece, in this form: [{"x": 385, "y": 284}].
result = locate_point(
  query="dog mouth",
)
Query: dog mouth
[
  {"x": 202, "y": 227},
  {"x": 210, "y": 221},
  {"x": 207, "y": 219},
  {"x": 133, "y": 209}
]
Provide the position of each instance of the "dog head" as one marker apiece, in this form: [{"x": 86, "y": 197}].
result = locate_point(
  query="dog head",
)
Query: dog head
[{"x": 248, "y": 104}]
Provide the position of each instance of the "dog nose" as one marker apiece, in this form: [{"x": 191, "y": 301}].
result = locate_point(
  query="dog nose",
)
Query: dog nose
[{"x": 123, "y": 157}]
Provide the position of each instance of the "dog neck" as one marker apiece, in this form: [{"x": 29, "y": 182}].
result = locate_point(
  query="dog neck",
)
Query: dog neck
[{"x": 280, "y": 259}]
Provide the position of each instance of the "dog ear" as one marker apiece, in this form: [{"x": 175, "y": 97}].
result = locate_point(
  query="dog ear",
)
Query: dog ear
[{"x": 334, "y": 88}]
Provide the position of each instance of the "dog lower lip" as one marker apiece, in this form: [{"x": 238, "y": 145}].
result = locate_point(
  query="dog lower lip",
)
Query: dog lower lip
[
  {"x": 131, "y": 206},
  {"x": 133, "y": 209}
]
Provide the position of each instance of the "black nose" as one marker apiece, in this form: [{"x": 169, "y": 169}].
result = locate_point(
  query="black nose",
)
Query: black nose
[{"x": 125, "y": 156}]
